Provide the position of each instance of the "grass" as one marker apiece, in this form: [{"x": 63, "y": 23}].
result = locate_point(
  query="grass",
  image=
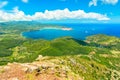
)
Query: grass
[{"x": 92, "y": 59}]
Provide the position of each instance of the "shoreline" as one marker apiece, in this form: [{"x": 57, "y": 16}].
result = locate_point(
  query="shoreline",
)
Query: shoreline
[{"x": 61, "y": 28}]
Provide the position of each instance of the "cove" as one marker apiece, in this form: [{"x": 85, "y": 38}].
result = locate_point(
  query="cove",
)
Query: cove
[{"x": 47, "y": 34}]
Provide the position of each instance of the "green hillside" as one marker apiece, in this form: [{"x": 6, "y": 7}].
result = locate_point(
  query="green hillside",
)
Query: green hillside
[{"x": 96, "y": 58}]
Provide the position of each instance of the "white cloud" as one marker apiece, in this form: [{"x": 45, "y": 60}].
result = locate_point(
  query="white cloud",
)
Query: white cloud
[
  {"x": 17, "y": 15},
  {"x": 94, "y": 2},
  {"x": 4, "y": 3},
  {"x": 110, "y": 1},
  {"x": 25, "y": 1}
]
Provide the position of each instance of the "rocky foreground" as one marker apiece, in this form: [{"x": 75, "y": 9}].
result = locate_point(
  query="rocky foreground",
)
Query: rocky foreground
[{"x": 41, "y": 69}]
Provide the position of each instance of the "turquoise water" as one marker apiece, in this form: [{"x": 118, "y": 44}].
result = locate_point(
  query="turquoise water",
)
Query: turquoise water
[{"x": 79, "y": 31}]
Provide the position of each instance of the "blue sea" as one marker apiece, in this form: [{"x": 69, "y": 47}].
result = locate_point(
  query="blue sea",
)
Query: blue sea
[{"x": 79, "y": 31}]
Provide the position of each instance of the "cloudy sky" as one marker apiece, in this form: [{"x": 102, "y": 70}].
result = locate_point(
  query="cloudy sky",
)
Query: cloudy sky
[{"x": 80, "y": 11}]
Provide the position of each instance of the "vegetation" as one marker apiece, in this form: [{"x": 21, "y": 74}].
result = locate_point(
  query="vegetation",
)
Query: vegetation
[{"x": 96, "y": 58}]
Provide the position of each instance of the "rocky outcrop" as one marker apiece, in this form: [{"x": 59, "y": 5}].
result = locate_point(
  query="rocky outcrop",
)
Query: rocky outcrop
[{"x": 38, "y": 70}]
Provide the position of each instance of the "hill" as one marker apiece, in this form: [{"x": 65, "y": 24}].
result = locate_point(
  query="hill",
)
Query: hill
[
  {"x": 84, "y": 60},
  {"x": 65, "y": 58}
]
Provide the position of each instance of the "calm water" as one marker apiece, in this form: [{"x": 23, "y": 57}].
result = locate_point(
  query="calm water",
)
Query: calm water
[{"x": 80, "y": 31}]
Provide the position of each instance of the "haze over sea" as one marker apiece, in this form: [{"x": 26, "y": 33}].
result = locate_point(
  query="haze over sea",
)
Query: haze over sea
[{"x": 79, "y": 31}]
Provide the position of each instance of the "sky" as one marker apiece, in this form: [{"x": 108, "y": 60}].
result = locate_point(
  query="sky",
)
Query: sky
[{"x": 63, "y": 11}]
